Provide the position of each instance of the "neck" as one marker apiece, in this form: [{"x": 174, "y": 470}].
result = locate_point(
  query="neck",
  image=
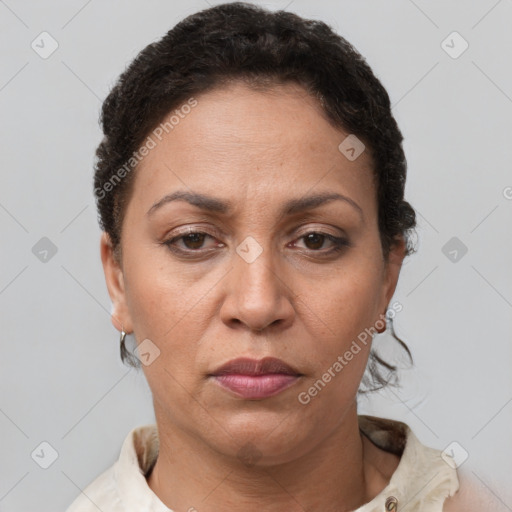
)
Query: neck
[{"x": 341, "y": 473}]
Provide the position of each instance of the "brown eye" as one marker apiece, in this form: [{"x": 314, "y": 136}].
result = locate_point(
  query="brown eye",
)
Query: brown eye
[
  {"x": 194, "y": 240},
  {"x": 190, "y": 242},
  {"x": 314, "y": 240}
]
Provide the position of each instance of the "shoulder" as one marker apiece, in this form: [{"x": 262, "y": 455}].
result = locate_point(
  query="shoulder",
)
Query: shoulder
[
  {"x": 473, "y": 495},
  {"x": 98, "y": 495},
  {"x": 125, "y": 480}
]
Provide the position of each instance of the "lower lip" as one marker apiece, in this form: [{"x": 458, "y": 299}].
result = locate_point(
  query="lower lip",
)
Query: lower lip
[{"x": 256, "y": 386}]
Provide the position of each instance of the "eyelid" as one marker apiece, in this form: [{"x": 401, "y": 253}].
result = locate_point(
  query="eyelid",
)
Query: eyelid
[
  {"x": 217, "y": 233},
  {"x": 320, "y": 229},
  {"x": 210, "y": 231}
]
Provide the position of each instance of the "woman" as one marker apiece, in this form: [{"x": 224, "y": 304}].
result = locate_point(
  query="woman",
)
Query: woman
[{"x": 250, "y": 188}]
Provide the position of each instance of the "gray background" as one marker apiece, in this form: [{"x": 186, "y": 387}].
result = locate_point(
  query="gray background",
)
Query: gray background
[{"x": 62, "y": 379}]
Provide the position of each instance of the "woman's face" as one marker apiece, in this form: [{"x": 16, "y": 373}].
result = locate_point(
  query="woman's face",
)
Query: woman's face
[{"x": 255, "y": 284}]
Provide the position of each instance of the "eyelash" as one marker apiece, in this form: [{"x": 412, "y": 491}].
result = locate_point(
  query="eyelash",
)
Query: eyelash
[{"x": 339, "y": 243}]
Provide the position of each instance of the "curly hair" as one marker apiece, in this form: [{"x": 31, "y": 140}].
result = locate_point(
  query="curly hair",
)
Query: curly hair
[{"x": 243, "y": 42}]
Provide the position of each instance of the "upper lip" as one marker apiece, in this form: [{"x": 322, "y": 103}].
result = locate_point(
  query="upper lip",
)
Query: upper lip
[{"x": 247, "y": 366}]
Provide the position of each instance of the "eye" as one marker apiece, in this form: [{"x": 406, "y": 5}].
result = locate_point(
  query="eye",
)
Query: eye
[
  {"x": 314, "y": 240},
  {"x": 192, "y": 241}
]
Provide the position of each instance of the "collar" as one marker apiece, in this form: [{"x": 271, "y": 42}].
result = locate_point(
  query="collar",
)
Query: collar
[{"x": 422, "y": 476}]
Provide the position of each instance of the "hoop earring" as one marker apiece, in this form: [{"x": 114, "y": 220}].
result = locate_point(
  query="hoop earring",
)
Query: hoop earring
[{"x": 121, "y": 342}]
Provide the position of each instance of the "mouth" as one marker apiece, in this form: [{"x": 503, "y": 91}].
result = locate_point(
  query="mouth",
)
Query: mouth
[{"x": 254, "y": 379}]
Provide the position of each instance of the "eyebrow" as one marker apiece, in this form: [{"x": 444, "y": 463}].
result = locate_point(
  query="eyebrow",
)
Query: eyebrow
[{"x": 216, "y": 205}]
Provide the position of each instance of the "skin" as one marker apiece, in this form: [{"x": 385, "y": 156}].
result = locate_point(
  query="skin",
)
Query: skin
[{"x": 255, "y": 149}]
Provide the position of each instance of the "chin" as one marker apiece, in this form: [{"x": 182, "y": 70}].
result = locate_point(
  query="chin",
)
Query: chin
[{"x": 262, "y": 438}]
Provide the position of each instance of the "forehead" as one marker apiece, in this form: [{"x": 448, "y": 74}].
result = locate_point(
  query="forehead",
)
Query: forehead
[{"x": 253, "y": 143}]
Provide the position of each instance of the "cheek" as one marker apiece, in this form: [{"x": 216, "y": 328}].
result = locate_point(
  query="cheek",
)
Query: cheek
[
  {"x": 158, "y": 297},
  {"x": 168, "y": 311},
  {"x": 171, "y": 307},
  {"x": 339, "y": 315},
  {"x": 347, "y": 302},
  {"x": 340, "y": 342}
]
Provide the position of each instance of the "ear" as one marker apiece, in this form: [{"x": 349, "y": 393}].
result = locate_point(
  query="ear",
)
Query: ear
[
  {"x": 392, "y": 271},
  {"x": 114, "y": 278}
]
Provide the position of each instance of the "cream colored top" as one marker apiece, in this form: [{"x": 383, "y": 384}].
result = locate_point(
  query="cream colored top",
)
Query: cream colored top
[{"x": 421, "y": 482}]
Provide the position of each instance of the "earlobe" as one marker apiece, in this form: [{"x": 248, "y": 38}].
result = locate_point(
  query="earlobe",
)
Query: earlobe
[{"x": 114, "y": 279}]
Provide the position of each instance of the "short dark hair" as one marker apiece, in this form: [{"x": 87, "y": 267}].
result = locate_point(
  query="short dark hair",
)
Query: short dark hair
[{"x": 243, "y": 42}]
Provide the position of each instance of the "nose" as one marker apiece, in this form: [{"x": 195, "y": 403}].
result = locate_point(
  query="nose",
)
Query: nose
[{"x": 258, "y": 295}]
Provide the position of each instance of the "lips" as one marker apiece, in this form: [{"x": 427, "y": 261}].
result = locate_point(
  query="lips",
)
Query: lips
[
  {"x": 247, "y": 366},
  {"x": 254, "y": 379}
]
